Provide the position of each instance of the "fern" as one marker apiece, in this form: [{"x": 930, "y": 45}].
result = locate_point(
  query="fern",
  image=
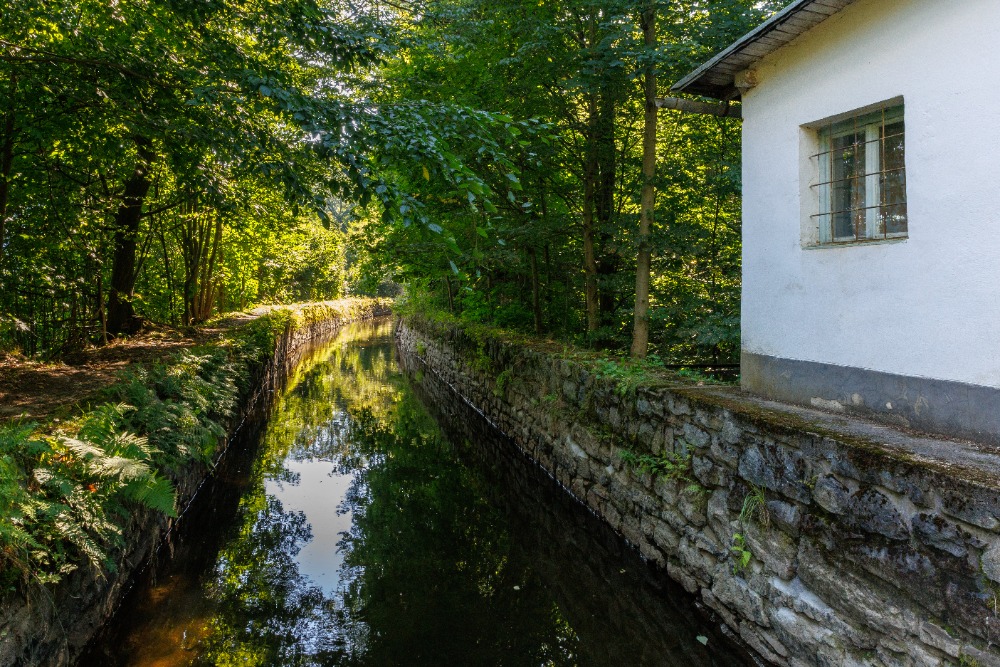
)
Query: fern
[{"x": 64, "y": 498}]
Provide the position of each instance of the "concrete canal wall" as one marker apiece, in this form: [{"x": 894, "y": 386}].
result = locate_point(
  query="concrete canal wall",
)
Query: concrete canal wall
[{"x": 817, "y": 539}]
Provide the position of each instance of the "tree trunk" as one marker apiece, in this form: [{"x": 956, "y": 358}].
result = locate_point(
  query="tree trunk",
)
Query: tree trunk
[
  {"x": 7, "y": 161},
  {"x": 640, "y": 332},
  {"x": 608, "y": 263},
  {"x": 167, "y": 275},
  {"x": 206, "y": 285},
  {"x": 589, "y": 254},
  {"x": 121, "y": 315},
  {"x": 536, "y": 301}
]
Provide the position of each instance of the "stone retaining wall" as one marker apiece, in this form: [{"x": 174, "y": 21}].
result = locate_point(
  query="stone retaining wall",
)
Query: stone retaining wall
[{"x": 857, "y": 555}]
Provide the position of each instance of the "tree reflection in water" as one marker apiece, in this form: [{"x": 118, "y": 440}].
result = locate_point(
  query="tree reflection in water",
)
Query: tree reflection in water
[
  {"x": 426, "y": 577},
  {"x": 450, "y": 554}
]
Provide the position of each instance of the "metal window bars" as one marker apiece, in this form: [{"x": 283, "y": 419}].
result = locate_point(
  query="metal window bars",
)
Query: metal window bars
[{"x": 862, "y": 177}]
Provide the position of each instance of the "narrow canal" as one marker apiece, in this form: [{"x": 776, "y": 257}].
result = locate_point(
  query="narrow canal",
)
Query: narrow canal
[{"x": 377, "y": 521}]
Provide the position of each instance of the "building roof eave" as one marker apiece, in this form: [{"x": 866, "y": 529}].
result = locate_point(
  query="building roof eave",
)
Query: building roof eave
[{"x": 716, "y": 78}]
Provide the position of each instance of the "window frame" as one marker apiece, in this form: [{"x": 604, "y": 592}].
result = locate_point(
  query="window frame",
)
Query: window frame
[{"x": 871, "y": 120}]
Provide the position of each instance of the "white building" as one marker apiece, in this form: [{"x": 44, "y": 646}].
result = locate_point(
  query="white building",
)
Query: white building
[{"x": 871, "y": 208}]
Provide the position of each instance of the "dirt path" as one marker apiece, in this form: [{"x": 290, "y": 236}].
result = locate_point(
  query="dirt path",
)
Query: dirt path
[{"x": 36, "y": 390}]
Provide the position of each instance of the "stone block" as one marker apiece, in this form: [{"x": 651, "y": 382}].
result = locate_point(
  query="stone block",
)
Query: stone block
[
  {"x": 832, "y": 495},
  {"x": 651, "y": 553},
  {"x": 893, "y": 653},
  {"x": 776, "y": 550},
  {"x": 899, "y": 564},
  {"x": 937, "y": 637},
  {"x": 692, "y": 505},
  {"x": 730, "y": 433},
  {"x": 941, "y": 534},
  {"x": 725, "y": 452},
  {"x": 614, "y": 418},
  {"x": 813, "y": 642},
  {"x": 630, "y": 529},
  {"x": 706, "y": 540},
  {"x": 666, "y": 537},
  {"x": 874, "y": 512},
  {"x": 612, "y": 516},
  {"x": 990, "y": 563},
  {"x": 667, "y": 490},
  {"x": 695, "y": 561},
  {"x": 775, "y": 467},
  {"x": 673, "y": 517},
  {"x": 851, "y": 595},
  {"x": 753, "y": 636},
  {"x": 735, "y": 593},
  {"x": 786, "y": 517},
  {"x": 709, "y": 473},
  {"x": 717, "y": 512},
  {"x": 678, "y": 406},
  {"x": 716, "y": 605},
  {"x": 982, "y": 658},
  {"x": 695, "y": 436},
  {"x": 679, "y": 573},
  {"x": 795, "y": 595},
  {"x": 975, "y": 505}
]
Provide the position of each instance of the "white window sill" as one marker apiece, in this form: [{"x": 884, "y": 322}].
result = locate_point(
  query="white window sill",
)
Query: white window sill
[{"x": 854, "y": 244}]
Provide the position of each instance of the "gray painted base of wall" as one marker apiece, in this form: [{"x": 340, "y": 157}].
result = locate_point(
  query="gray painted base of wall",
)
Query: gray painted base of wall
[{"x": 935, "y": 406}]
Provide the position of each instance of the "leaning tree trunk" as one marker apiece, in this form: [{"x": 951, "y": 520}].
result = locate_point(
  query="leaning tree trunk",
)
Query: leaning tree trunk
[
  {"x": 121, "y": 315},
  {"x": 640, "y": 331}
]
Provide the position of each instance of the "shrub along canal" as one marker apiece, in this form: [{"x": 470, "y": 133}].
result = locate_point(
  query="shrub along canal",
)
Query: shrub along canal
[{"x": 374, "y": 519}]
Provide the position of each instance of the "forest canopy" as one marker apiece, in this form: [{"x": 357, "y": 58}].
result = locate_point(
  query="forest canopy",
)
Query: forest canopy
[{"x": 166, "y": 161}]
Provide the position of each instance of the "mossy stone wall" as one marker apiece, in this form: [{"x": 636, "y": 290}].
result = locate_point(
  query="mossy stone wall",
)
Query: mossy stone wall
[{"x": 857, "y": 555}]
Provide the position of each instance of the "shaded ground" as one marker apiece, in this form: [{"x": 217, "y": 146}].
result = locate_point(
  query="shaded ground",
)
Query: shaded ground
[{"x": 37, "y": 390}]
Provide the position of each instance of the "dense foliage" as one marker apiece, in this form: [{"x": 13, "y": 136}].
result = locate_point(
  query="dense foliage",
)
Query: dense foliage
[
  {"x": 169, "y": 159},
  {"x": 557, "y": 255}
]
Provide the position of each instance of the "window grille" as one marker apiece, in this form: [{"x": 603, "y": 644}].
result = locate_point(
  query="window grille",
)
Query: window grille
[{"x": 862, "y": 178}]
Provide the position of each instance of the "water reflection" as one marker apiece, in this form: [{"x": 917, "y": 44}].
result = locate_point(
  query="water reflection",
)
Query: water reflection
[{"x": 364, "y": 536}]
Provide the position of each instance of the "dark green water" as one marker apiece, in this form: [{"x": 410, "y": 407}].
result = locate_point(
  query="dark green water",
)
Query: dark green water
[{"x": 377, "y": 521}]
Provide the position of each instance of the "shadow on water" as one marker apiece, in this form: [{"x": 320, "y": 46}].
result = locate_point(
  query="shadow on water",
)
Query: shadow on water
[{"x": 361, "y": 533}]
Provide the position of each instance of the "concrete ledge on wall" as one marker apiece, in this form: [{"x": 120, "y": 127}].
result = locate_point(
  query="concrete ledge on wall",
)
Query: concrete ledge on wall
[
  {"x": 865, "y": 544},
  {"x": 943, "y": 407}
]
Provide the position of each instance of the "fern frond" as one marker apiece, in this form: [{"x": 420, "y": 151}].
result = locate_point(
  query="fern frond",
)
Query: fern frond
[{"x": 154, "y": 492}]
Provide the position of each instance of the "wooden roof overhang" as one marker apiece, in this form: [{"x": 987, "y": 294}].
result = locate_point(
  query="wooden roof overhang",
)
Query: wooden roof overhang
[{"x": 717, "y": 77}]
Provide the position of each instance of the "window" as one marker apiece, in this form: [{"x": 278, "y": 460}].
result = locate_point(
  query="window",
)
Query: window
[{"x": 862, "y": 177}]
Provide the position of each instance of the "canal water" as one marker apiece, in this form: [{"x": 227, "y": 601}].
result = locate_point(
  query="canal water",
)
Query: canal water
[{"x": 375, "y": 520}]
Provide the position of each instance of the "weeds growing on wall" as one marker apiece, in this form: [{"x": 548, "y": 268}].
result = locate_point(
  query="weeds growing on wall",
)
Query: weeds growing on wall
[
  {"x": 671, "y": 465},
  {"x": 741, "y": 553},
  {"x": 755, "y": 507}
]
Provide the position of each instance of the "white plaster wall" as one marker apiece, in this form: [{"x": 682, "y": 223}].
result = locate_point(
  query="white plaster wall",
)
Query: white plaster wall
[{"x": 928, "y": 306}]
